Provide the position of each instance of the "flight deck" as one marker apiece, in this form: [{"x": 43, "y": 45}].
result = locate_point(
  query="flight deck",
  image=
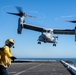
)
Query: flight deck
[{"x": 38, "y": 68}]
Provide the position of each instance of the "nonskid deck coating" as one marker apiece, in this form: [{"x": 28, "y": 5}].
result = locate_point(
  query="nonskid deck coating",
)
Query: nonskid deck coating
[{"x": 38, "y": 68}]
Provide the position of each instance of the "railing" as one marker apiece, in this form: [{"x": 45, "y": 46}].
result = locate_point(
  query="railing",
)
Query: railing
[{"x": 70, "y": 67}]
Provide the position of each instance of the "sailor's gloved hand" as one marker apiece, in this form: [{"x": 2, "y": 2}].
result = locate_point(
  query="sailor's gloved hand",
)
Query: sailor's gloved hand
[{"x": 13, "y": 58}]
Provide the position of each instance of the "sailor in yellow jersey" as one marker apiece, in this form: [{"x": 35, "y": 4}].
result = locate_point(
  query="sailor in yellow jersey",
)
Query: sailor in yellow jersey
[{"x": 6, "y": 56}]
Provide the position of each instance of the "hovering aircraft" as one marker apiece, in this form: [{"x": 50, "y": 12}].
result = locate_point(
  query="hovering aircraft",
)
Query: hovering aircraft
[{"x": 46, "y": 34}]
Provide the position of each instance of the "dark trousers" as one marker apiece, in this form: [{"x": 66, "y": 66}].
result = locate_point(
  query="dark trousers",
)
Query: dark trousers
[{"x": 3, "y": 70}]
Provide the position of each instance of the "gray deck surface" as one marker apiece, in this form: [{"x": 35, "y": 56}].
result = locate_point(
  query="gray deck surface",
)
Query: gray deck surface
[{"x": 38, "y": 68}]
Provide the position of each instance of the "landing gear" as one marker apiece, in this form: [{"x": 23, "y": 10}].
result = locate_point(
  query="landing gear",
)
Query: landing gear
[
  {"x": 39, "y": 42},
  {"x": 54, "y": 44}
]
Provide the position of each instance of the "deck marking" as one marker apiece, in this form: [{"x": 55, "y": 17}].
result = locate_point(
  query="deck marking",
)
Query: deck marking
[
  {"x": 27, "y": 69},
  {"x": 12, "y": 72}
]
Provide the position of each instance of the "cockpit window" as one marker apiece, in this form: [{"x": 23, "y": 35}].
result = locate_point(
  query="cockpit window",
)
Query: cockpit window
[{"x": 48, "y": 31}]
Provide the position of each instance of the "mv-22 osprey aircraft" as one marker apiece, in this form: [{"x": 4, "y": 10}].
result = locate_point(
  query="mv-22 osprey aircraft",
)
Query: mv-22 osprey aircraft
[{"x": 46, "y": 34}]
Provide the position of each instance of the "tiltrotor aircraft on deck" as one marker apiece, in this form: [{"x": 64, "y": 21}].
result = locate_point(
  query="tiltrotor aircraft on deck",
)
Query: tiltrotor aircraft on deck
[{"x": 46, "y": 34}]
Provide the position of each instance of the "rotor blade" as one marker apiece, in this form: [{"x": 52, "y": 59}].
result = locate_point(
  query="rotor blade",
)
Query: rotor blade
[
  {"x": 19, "y": 9},
  {"x": 72, "y": 21},
  {"x": 13, "y": 13},
  {"x": 30, "y": 16}
]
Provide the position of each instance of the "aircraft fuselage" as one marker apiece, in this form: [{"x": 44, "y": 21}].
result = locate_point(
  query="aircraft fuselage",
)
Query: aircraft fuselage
[{"x": 47, "y": 38}]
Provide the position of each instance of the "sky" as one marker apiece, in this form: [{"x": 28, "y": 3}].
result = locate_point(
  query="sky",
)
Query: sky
[{"x": 50, "y": 14}]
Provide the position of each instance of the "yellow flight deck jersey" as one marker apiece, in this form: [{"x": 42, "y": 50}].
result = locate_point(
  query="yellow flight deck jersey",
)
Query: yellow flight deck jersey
[{"x": 5, "y": 55}]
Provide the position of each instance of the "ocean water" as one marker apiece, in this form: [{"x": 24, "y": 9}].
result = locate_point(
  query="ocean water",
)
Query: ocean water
[{"x": 47, "y": 59}]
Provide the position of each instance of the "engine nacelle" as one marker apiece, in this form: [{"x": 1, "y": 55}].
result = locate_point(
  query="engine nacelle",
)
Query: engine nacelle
[
  {"x": 19, "y": 30},
  {"x": 75, "y": 33}
]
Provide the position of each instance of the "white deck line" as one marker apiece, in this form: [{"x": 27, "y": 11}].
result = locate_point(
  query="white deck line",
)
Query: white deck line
[{"x": 27, "y": 69}]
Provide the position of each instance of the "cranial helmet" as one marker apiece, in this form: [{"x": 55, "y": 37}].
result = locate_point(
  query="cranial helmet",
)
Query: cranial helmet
[{"x": 8, "y": 41}]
